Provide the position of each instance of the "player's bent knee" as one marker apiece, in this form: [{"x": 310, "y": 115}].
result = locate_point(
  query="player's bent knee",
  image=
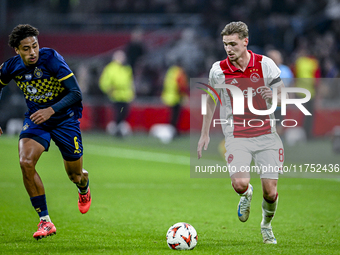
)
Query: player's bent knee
[
  {"x": 75, "y": 178},
  {"x": 27, "y": 163},
  {"x": 240, "y": 184},
  {"x": 270, "y": 196}
]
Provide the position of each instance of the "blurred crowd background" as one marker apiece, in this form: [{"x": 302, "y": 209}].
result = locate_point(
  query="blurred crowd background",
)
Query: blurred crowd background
[{"x": 158, "y": 34}]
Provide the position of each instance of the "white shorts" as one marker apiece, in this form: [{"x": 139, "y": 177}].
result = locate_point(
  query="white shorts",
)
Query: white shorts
[{"x": 266, "y": 151}]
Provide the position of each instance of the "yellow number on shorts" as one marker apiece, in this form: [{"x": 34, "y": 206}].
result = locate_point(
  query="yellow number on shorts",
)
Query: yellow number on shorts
[{"x": 76, "y": 144}]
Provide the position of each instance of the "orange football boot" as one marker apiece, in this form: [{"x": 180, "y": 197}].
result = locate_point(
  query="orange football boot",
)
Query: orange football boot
[
  {"x": 84, "y": 202},
  {"x": 45, "y": 229}
]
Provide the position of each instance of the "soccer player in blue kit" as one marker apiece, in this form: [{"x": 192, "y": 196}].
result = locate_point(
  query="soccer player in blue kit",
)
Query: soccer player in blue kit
[{"x": 54, "y": 106}]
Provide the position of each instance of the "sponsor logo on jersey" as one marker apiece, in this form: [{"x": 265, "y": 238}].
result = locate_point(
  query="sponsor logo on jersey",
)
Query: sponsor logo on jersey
[
  {"x": 46, "y": 95},
  {"x": 19, "y": 77},
  {"x": 28, "y": 77},
  {"x": 38, "y": 73},
  {"x": 230, "y": 158},
  {"x": 25, "y": 127},
  {"x": 231, "y": 81},
  {"x": 31, "y": 89},
  {"x": 254, "y": 92},
  {"x": 234, "y": 82}
]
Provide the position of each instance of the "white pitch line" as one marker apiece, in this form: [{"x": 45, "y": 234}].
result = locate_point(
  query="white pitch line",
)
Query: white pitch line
[
  {"x": 136, "y": 154},
  {"x": 130, "y": 154}
]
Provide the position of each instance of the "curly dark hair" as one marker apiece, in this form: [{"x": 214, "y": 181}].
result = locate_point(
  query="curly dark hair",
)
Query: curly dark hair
[{"x": 19, "y": 33}]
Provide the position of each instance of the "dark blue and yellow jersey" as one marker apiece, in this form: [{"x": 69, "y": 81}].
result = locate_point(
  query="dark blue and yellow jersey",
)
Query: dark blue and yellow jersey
[{"x": 42, "y": 84}]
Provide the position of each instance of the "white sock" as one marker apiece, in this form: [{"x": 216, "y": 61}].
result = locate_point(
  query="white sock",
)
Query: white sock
[
  {"x": 45, "y": 218},
  {"x": 268, "y": 212},
  {"x": 247, "y": 191},
  {"x": 83, "y": 192},
  {"x": 87, "y": 189}
]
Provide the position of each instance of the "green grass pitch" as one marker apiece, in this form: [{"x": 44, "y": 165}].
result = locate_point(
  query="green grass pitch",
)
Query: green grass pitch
[{"x": 141, "y": 187}]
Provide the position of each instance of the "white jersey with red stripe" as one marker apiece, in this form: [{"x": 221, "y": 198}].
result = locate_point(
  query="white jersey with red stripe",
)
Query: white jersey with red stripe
[{"x": 261, "y": 71}]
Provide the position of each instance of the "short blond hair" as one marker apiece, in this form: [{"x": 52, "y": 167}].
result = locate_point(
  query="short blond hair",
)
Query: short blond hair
[{"x": 236, "y": 27}]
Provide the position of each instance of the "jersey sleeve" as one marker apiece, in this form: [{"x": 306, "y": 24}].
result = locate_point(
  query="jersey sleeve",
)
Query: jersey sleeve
[
  {"x": 271, "y": 72},
  {"x": 214, "y": 79},
  {"x": 59, "y": 67},
  {"x": 72, "y": 97},
  {"x": 5, "y": 76}
]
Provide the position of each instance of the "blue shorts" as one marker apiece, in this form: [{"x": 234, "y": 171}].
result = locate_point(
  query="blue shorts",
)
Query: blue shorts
[{"x": 66, "y": 135}]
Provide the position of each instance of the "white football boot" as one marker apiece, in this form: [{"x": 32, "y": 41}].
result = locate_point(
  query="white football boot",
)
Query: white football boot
[
  {"x": 243, "y": 208},
  {"x": 268, "y": 236}
]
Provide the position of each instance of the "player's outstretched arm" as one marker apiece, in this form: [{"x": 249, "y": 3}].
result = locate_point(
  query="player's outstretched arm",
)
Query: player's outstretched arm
[
  {"x": 202, "y": 143},
  {"x": 205, "y": 139}
]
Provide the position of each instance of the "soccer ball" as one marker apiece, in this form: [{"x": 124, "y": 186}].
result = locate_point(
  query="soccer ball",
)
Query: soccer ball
[{"x": 181, "y": 236}]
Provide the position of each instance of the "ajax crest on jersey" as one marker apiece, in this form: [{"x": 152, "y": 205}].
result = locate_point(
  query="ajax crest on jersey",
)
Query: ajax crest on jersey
[{"x": 181, "y": 236}]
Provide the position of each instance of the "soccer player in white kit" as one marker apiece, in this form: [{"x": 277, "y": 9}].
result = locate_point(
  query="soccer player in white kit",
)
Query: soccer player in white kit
[{"x": 251, "y": 136}]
